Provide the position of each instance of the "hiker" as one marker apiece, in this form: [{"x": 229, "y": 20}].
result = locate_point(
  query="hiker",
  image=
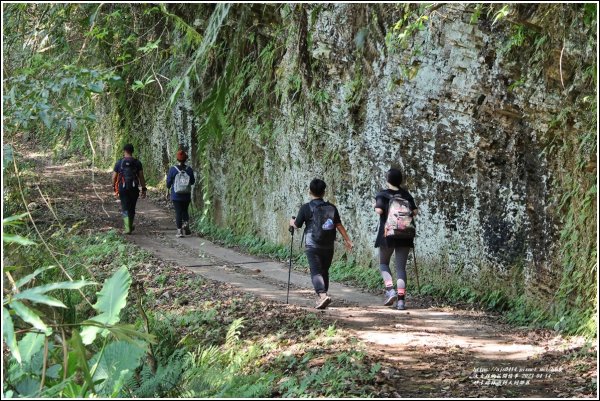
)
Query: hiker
[
  {"x": 127, "y": 178},
  {"x": 396, "y": 209},
  {"x": 180, "y": 179},
  {"x": 322, "y": 219}
]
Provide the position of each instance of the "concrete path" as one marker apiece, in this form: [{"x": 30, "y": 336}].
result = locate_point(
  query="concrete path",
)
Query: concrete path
[{"x": 358, "y": 310}]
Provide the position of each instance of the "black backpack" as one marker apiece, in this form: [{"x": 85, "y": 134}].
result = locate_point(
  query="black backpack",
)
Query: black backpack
[
  {"x": 323, "y": 223},
  {"x": 129, "y": 172}
]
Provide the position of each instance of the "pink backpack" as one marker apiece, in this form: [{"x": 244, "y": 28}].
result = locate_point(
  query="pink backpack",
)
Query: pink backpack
[{"x": 399, "y": 223}]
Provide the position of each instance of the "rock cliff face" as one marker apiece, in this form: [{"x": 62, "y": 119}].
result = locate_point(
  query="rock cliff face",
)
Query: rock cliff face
[{"x": 465, "y": 122}]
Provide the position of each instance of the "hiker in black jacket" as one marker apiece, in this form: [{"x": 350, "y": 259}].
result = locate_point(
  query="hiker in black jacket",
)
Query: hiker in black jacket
[
  {"x": 389, "y": 243},
  {"x": 127, "y": 179},
  {"x": 322, "y": 219}
]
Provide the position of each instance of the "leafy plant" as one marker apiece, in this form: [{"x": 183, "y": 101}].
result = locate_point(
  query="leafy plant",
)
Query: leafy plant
[
  {"x": 39, "y": 368},
  {"x": 111, "y": 300}
]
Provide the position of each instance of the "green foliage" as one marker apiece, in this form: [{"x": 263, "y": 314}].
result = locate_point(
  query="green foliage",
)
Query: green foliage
[
  {"x": 164, "y": 382},
  {"x": 476, "y": 14},
  {"x": 347, "y": 270},
  {"x": 43, "y": 94},
  {"x": 221, "y": 372},
  {"x": 342, "y": 375},
  {"x": 569, "y": 150},
  {"x": 115, "y": 366},
  {"x": 111, "y": 300},
  {"x": 37, "y": 373},
  {"x": 413, "y": 20},
  {"x": 354, "y": 91},
  {"x": 9, "y": 238},
  {"x": 198, "y": 62},
  {"x": 321, "y": 97}
]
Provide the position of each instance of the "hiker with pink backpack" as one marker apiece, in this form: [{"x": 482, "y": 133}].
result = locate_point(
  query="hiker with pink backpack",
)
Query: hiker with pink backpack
[{"x": 396, "y": 209}]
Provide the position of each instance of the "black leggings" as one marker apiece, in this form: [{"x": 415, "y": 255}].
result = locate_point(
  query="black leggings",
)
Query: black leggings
[
  {"x": 181, "y": 212},
  {"x": 129, "y": 199},
  {"x": 319, "y": 261},
  {"x": 385, "y": 255}
]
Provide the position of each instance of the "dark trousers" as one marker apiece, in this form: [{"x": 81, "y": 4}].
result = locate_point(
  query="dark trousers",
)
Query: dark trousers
[
  {"x": 385, "y": 256},
  {"x": 129, "y": 198},
  {"x": 319, "y": 261},
  {"x": 181, "y": 212}
]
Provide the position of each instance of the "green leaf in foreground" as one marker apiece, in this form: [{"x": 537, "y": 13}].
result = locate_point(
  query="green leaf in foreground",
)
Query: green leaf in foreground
[{"x": 111, "y": 299}]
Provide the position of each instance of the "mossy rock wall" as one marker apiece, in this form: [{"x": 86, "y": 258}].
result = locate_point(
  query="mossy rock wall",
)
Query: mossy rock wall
[{"x": 468, "y": 116}]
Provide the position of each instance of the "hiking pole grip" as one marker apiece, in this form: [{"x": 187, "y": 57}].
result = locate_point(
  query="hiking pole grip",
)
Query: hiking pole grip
[{"x": 291, "y": 228}]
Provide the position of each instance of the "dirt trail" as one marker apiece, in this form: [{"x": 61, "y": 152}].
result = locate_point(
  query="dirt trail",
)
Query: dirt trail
[{"x": 436, "y": 350}]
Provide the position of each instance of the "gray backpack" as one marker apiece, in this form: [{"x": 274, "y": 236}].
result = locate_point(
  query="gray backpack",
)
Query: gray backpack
[{"x": 181, "y": 184}]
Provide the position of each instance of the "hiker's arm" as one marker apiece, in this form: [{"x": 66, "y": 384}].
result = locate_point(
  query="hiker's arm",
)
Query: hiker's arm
[
  {"x": 142, "y": 182},
  {"x": 377, "y": 205},
  {"x": 169, "y": 179},
  {"x": 298, "y": 222},
  {"x": 347, "y": 243},
  {"x": 114, "y": 182}
]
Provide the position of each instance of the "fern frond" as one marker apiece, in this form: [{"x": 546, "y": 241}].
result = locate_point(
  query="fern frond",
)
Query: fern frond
[{"x": 233, "y": 333}]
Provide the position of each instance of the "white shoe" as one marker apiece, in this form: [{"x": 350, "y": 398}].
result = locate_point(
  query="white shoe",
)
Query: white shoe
[
  {"x": 179, "y": 233},
  {"x": 322, "y": 301}
]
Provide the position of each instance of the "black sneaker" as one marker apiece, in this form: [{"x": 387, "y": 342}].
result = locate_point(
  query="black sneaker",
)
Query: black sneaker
[{"x": 186, "y": 228}]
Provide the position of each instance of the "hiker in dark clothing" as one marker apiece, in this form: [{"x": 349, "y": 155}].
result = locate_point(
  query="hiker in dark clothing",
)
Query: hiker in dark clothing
[
  {"x": 128, "y": 178},
  {"x": 388, "y": 245},
  {"x": 322, "y": 219},
  {"x": 180, "y": 179}
]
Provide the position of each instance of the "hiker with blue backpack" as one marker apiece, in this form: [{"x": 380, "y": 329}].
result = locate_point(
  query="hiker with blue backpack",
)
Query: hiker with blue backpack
[
  {"x": 396, "y": 209},
  {"x": 322, "y": 220},
  {"x": 180, "y": 179},
  {"x": 127, "y": 179}
]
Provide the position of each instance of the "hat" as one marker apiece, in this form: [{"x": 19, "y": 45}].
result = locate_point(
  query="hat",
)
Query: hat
[{"x": 181, "y": 156}]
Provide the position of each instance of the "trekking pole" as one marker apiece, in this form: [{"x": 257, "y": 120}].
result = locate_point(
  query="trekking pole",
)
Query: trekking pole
[
  {"x": 416, "y": 270},
  {"x": 291, "y": 229}
]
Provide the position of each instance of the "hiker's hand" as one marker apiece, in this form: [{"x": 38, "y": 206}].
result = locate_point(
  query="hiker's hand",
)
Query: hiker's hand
[
  {"x": 349, "y": 245},
  {"x": 293, "y": 222}
]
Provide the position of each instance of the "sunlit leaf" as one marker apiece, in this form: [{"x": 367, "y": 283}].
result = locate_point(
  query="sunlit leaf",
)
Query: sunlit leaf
[
  {"x": 8, "y": 334},
  {"x": 24, "y": 280},
  {"x": 39, "y": 298},
  {"x": 116, "y": 363},
  {"x": 14, "y": 218},
  {"x": 30, "y": 345},
  {"x": 17, "y": 239},
  {"x": 111, "y": 299},
  {"x": 64, "y": 285},
  {"x": 30, "y": 317}
]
